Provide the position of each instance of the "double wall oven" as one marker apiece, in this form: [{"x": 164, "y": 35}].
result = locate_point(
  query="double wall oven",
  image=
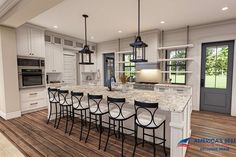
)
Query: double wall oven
[{"x": 31, "y": 72}]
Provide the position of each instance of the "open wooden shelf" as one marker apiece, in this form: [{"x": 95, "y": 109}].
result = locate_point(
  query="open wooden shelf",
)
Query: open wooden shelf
[
  {"x": 181, "y": 72},
  {"x": 175, "y": 59},
  {"x": 175, "y": 47}
]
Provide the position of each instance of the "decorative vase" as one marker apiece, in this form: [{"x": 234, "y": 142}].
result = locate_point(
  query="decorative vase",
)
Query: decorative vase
[{"x": 124, "y": 87}]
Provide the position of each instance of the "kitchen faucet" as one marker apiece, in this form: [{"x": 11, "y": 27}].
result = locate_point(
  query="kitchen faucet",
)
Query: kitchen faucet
[{"x": 112, "y": 80}]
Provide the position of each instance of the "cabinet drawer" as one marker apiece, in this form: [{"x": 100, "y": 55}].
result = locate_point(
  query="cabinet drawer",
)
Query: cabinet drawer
[
  {"x": 30, "y": 95},
  {"x": 162, "y": 89},
  {"x": 30, "y": 105},
  {"x": 180, "y": 90}
]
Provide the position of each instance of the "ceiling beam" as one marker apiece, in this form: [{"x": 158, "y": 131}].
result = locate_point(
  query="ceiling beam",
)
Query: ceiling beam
[{"x": 25, "y": 10}]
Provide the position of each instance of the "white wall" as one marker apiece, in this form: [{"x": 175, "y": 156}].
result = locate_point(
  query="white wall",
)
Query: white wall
[
  {"x": 198, "y": 34},
  {"x": 9, "y": 91},
  {"x": 150, "y": 37}
]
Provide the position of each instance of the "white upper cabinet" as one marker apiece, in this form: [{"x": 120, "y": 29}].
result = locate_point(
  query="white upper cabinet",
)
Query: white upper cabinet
[
  {"x": 23, "y": 41},
  {"x": 54, "y": 58},
  {"x": 37, "y": 42},
  {"x": 30, "y": 41}
]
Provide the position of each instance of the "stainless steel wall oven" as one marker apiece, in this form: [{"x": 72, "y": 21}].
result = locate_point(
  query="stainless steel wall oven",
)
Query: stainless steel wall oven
[{"x": 31, "y": 72}]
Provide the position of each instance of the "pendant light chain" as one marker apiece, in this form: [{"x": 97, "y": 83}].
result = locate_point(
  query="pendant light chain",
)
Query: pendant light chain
[
  {"x": 85, "y": 24},
  {"x": 138, "y": 17}
]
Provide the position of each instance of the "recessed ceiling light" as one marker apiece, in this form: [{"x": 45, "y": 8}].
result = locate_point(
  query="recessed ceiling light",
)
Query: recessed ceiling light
[
  {"x": 162, "y": 22},
  {"x": 92, "y": 37},
  {"x": 224, "y": 8},
  {"x": 120, "y": 31},
  {"x": 55, "y": 26}
]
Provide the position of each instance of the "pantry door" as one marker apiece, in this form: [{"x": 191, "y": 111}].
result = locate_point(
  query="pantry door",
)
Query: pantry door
[
  {"x": 70, "y": 72},
  {"x": 216, "y": 76}
]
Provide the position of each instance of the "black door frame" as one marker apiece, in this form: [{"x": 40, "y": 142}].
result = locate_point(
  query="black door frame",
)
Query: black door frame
[{"x": 230, "y": 71}]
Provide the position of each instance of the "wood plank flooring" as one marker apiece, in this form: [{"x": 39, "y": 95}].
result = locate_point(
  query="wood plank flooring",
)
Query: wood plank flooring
[
  {"x": 33, "y": 137},
  {"x": 212, "y": 125}
]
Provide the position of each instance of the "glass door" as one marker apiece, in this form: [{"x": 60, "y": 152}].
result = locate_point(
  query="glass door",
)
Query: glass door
[
  {"x": 216, "y": 76},
  {"x": 109, "y": 68}
]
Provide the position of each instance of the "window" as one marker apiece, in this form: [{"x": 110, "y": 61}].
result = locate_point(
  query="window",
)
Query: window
[
  {"x": 129, "y": 67},
  {"x": 174, "y": 67}
]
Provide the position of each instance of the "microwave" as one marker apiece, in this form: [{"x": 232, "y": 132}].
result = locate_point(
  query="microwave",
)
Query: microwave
[{"x": 31, "y": 72}]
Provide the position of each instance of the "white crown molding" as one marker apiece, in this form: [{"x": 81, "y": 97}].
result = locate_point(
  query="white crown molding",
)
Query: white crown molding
[
  {"x": 10, "y": 115},
  {"x": 7, "y": 6}
]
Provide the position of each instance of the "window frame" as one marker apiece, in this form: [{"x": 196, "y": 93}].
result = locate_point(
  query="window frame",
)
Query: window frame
[
  {"x": 124, "y": 66},
  {"x": 167, "y": 66}
]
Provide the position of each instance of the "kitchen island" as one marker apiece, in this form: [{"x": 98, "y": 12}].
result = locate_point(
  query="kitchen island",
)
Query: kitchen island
[{"x": 176, "y": 107}]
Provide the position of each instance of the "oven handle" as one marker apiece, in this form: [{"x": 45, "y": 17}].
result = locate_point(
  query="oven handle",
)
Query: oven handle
[{"x": 31, "y": 74}]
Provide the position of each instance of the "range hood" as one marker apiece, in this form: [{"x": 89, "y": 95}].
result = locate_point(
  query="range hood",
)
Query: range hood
[
  {"x": 142, "y": 66},
  {"x": 148, "y": 73}
]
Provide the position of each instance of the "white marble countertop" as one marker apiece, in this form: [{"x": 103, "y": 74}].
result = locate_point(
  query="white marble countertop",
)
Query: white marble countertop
[
  {"x": 167, "y": 101},
  {"x": 173, "y": 85}
]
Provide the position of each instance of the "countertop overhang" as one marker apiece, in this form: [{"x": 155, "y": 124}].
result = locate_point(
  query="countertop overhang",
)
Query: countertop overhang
[{"x": 172, "y": 102}]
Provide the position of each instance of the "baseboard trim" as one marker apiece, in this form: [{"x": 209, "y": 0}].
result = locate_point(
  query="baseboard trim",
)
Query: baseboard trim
[
  {"x": 10, "y": 115},
  {"x": 34, "y": 110},
  {"x": 1, "y": 114}
]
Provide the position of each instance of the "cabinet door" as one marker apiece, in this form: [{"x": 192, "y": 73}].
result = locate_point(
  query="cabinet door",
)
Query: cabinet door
[
  {"x": 49, "y": 59},
  {"x": 58, "y": 58},
  {"x": 37, "y": 42},
  {"x": 23, "y": 41}
]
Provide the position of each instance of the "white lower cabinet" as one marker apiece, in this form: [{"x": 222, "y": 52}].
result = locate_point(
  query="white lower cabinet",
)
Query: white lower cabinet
[
  {"x": 33, "y": 99},
  {"x": 177, "y": 89}
]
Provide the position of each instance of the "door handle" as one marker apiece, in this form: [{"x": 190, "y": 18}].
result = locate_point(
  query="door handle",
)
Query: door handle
[{"x": 202, "y": 82}]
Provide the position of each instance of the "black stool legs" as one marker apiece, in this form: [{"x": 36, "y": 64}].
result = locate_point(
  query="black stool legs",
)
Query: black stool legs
[
  {"x": 108, "y": 135},
  {"x": 154, "y": 143},
  {"x": 164, "y": 137},
  {"x": 135, "y": 137},
  {"x": 73, "y": 121},
  {"x": 154, "y": 140},
  {"x": 50, "y": 113},
  {"x": 100, "y": 131},
  {"x": 88, "y": 128}
]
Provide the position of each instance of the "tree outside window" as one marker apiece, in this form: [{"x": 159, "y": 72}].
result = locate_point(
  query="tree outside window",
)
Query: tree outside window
[
  {"x": 175, "y": 66},
  {"x": 129, "y": 67}
]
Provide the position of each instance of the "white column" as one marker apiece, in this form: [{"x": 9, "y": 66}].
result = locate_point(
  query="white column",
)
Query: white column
[{"x": 180, "y": 129}]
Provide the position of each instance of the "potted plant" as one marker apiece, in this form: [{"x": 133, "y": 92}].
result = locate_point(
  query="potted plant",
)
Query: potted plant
[{"x": 124, "y": 79}]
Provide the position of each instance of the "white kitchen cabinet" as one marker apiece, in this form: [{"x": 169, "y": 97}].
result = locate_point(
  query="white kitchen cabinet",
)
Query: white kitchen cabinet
[
  {"x": 54, "y": 58},
  {"x": 37, "y": 42},
  {"x": 33, "y": 99},
  {"x": 30, "y": 41}
]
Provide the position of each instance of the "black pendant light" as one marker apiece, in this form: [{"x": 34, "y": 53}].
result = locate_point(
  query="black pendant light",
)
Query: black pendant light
[
  {"x": 138, "y": 46},
  {"x": 85, "y": 53}
]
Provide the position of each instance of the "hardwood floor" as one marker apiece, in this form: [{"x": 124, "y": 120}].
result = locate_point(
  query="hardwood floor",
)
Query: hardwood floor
[
  {"x": 34, "y": 137},
  {"x": 212, "y": 125}
]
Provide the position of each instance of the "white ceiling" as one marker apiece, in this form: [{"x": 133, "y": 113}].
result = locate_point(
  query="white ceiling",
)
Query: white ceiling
[
  {"x": 106, "y": 17},
  {"x": 2, "y": 2}
]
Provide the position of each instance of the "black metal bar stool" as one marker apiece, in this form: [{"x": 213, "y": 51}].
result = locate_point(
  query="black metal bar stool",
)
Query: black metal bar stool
[
  {"x": 118, "y": 112},
  {"x": 53, "y": 102},
  {"x": 97, "y": 108},
  {"x": 65, "y": 106},
  {"x": 146, "y": 118},
  {"x": 78, "y": 105}
]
